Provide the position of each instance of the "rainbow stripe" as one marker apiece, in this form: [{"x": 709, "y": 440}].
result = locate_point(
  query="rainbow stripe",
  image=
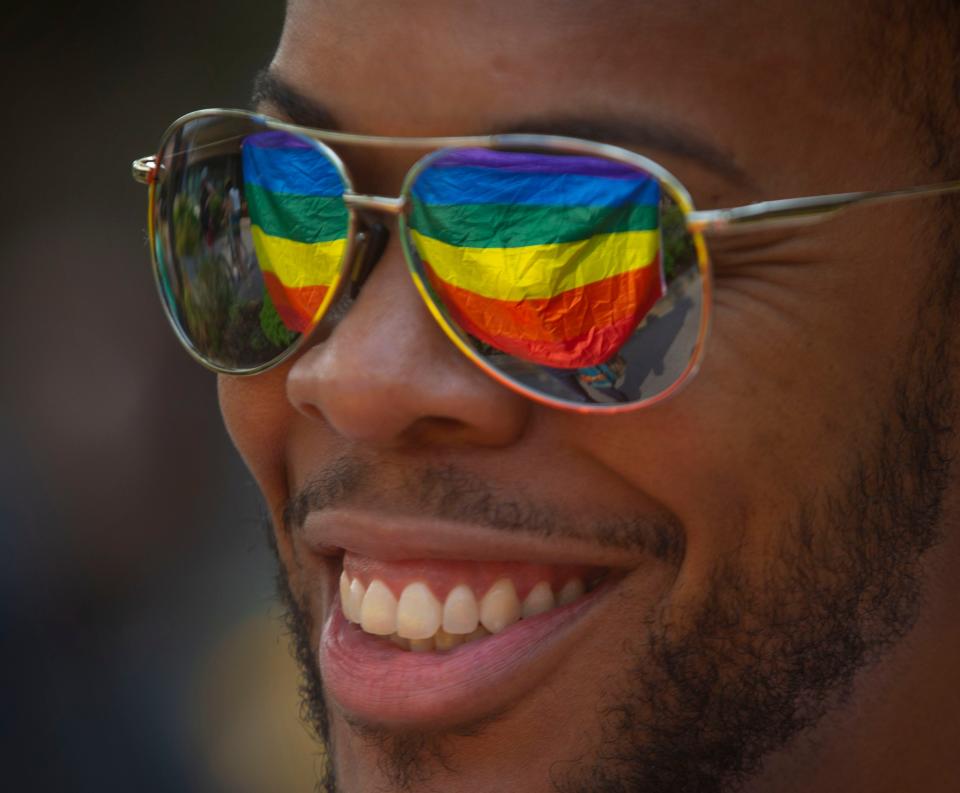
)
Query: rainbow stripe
[
  {"x": 552, "y": 258},
  {"x": 298, "y": 221}
]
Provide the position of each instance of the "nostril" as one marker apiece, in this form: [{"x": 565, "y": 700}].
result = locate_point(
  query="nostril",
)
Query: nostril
[
  {"x": 427, "y": 429},
  {"x": 311, "y": 411}
]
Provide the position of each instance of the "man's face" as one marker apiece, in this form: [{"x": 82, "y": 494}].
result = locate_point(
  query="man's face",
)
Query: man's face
[{"x": 743, "y": 544}]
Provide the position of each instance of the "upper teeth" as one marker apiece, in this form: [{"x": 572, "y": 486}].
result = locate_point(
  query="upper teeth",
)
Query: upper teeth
[
  {"x": 418, "y": 616},
  {"x": 460, "y": 611}
]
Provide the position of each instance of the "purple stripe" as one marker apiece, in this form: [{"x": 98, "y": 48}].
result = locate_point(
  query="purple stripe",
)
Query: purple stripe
[
  {"x": 277, "y": 139},
  {"x": 534, "y": 162}
]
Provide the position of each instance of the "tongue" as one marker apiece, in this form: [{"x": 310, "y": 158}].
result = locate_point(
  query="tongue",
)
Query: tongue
[{"x": 442, "y": 575}]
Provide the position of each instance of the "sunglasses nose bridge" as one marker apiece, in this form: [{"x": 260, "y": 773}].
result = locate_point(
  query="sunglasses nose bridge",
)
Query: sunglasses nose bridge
[
  {"x": 389, "y": 205},
  {"x": 371, "y": 235},
  {"x": 370, "y": 243}
]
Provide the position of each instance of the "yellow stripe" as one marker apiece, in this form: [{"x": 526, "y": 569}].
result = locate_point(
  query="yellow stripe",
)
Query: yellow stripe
[
  {"x": 538, "y": 271},
  {"x": 298, "y": 264}
]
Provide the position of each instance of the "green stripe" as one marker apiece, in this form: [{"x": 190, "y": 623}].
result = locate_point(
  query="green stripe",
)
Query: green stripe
[
  {"x": 515, "y": 225},
  {"x": 302, "y": 218}
]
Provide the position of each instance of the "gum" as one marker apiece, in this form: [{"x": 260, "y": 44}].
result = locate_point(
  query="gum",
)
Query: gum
[{"x": 442, "y": 575}]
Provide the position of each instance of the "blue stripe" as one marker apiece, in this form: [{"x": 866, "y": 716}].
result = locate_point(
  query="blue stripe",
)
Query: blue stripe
[
  {"x": 294, "y": 170},
  {"x": 472, "y": 185},
  {"x": 278, "y": 139},
  {"x": 537, "y": 162}
]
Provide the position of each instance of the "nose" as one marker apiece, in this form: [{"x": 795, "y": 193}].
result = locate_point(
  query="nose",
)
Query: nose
[{"x": 386, "y": 374}]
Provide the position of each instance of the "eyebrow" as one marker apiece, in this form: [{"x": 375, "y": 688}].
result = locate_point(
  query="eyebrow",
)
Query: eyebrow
[{"x": 270, "y": 89}]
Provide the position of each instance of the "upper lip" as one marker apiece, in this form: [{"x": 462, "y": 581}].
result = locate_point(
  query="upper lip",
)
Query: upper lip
[{"x": 374, "y": 534}]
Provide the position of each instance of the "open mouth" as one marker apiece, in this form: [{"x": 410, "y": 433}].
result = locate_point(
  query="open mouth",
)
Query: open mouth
[
  {"x": 430, "y": 624},
  {"x": 431, "y": 606},
  {"x": 433, "y": 643}
]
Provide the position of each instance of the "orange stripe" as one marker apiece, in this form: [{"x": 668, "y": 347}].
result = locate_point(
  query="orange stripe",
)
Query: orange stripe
[
  {"x": 580, "y": 327},
  {"x": 296, "y": 305}
]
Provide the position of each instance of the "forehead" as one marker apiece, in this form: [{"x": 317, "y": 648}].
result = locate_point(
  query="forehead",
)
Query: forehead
[{"x": 767, "y": 81}]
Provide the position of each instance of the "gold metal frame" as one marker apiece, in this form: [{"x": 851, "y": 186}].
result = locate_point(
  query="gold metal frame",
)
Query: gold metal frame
[{"x": 790, "y": 211}]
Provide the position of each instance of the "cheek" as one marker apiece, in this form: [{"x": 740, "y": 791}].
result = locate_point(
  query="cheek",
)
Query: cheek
[
  {"x": 798, "y": 378},
  {"x": 257, "y": 416}
]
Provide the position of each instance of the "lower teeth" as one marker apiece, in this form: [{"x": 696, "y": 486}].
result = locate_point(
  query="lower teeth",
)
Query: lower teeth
[{"x": 440, "y": 641}]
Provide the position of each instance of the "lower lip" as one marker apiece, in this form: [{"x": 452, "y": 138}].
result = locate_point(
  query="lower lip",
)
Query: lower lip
[{"x": 376, "y": 682}]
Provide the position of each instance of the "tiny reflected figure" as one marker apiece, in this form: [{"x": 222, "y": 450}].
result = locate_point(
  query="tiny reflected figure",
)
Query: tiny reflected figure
[{"x": 602, "y": 383}]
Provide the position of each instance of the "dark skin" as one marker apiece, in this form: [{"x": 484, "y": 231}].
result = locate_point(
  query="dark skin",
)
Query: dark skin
[{"x": 790, "y": 450}]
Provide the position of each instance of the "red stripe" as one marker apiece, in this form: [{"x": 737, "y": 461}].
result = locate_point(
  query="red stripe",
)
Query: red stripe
[
  {"x": 580, "y": 327},
  {"x": 296, "y": 305}
]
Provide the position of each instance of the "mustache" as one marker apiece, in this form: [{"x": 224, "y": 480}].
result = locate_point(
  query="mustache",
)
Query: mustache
[{"x": 451, "y": 493}]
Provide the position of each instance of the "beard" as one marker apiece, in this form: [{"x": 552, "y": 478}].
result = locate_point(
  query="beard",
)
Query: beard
[{"x": 707, "y": 696}]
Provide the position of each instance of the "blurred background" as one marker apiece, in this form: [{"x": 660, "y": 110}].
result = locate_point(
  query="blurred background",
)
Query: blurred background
[{"x": 140, "y": 643}]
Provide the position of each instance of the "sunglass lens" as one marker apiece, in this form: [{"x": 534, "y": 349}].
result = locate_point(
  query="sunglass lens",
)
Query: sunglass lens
[
  {"x": 249, "y": 235},
  {"x": 572, "y": 276}
]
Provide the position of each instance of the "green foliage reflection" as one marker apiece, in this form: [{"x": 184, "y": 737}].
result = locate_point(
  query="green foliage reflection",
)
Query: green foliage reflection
[{"x": 679, "y": 252}]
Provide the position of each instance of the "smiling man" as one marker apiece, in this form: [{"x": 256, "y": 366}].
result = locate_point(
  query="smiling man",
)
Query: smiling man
[{"x": 539, "y": 530}]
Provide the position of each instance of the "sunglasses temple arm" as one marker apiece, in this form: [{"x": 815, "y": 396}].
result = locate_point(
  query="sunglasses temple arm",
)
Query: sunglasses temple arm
[{"x": 794, "y": 211}]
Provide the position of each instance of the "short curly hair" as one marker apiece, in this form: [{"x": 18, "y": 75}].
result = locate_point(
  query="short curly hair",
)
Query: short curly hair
[
  {"x": 920, "y": 44},
  {"x": 919, "y": 48}
]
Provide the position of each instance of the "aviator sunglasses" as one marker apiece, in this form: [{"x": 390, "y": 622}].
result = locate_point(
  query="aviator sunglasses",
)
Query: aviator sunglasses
[{"x": 573, "y": 272}]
